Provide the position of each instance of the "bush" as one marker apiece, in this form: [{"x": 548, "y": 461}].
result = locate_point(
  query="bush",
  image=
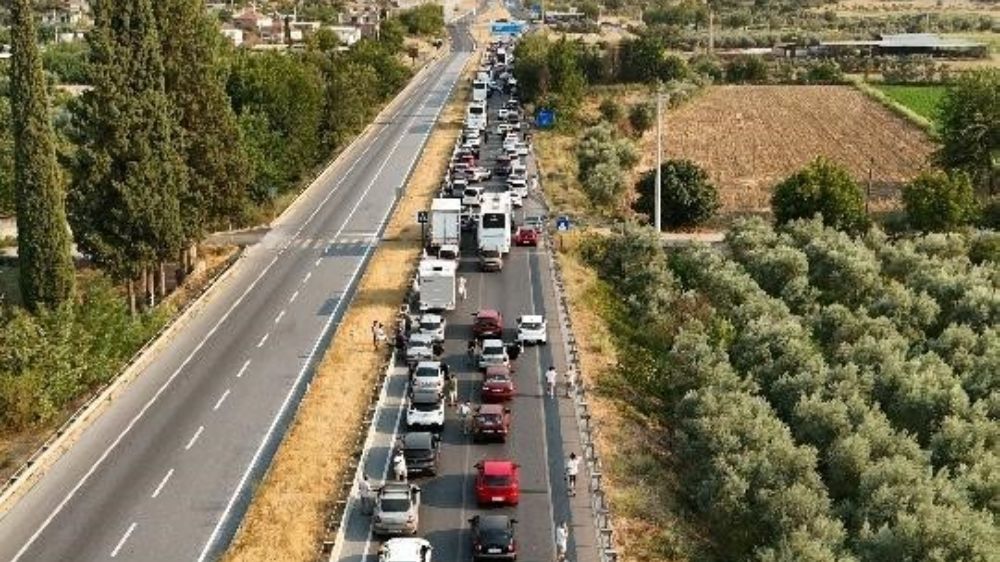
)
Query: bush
[
  {"x": 610, "y": 110},
  {"x": 822, "y": 188},
  {"x": 688, "y": 198},
  {"x": 425, "y": 19},
  {"x": 936, "y": 201},
  {"x": 601, "y": 159},
  {"x": 68, "y": 61},
  {"x": 746, "y": 69},
  {"x": 641, "y": 117}
]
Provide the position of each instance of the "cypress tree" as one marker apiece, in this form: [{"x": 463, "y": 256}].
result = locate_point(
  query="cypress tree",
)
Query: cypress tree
[
  {"x": 45, "y": 261},
  {"x": 219, "y": 172},
  {"x": 128, "y": 172}
]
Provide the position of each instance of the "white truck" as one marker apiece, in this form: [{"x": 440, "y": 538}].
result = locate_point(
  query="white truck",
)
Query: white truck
[
  {"x": 437, "y": 284},
  {"x": 494, "y": 222},
  {"x": 475, "y": 116},
  {"x": 446, "y": 223}
]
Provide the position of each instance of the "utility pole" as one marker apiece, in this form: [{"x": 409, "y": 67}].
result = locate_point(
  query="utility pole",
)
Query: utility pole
[{"x": 659, "y": 159}]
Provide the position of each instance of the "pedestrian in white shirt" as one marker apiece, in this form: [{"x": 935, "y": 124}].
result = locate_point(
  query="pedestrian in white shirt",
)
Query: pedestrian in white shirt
[
  {"x": 562, "y": 541},
  {"x": 465, "y": 413},
  {"x": 399, "y": 466},
  {"x": 550, "y": 381},
  {"x": 461, "y": 288},
  {"x": 572, "y": 470},
  {"x": 366, "y": 495}
]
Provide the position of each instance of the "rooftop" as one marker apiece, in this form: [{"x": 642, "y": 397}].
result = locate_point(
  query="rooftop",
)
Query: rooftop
[{"x": 910, "y": 40}]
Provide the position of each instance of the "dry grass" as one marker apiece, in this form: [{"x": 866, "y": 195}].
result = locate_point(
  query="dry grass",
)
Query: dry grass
[
  {"x": 285, "y": 520},
  {"x": 637, "y": 477}
]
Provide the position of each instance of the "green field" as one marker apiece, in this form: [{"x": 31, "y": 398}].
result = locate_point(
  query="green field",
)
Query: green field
[{"x": 922, "y": 100}]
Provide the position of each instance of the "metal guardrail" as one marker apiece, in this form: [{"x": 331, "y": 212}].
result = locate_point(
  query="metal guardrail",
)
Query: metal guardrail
[{"x": 100, "y": 392}]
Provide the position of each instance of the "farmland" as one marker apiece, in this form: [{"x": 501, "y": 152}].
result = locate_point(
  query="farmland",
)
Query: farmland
[
  {"x": 923, "y": 100},
  {"x": 750, "y": 137}
]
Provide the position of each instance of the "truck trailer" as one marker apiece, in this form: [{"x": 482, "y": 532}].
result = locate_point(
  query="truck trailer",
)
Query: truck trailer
[
  {"x": 436, "y": 280},
  {"x": 446, "y": 223}
]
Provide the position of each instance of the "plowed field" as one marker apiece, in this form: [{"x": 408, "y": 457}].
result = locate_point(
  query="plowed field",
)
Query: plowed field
[{"x": 751, "y": 137}]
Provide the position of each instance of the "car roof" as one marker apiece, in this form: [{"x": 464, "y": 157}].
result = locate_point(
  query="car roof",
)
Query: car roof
[
  {"x": 429, "y": 365},
  {"x": 430, "y": 318},
  {"x": 493, "y": 343},
  {"x": 418, "y": 440},
  {"x": 488, "y": 313},
  {"x": 396, "y": 488},
  {"x": 497, "y": 370},
  {"x": 494, "y": 522},
  {"x": 421, "y": 338},
  {"x": 405, "y": 548},
  {"x": 491, "y": 409},
  {"x": 532, "y": 318},
  {"x": 498, "y": 468},
  {"x": 425, "y": 396}
]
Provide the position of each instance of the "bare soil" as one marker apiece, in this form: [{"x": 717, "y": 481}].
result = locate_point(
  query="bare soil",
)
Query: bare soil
[{"x": 751, "y": 137}]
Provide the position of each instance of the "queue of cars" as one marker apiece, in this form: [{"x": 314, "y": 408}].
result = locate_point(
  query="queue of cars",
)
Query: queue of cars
[{"x": 496, "y": 481}]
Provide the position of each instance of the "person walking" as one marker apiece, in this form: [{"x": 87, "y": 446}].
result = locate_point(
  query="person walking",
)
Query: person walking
[
  {"x": 375, "y": 334},
  {"x": 399, "y": 466},
  {"x": 465, "y": 414},
  {"x": 366, "y": 495},
  {"x": 461, "y": 288},
  {"x": 451, "y": 386},
  {"x": 550, "y": 381},
  {"x": 562, "y": 541},
  {"x": 570, "y": 382},
  {"x": 471, "y": 352},
  {"x": 572, "y": 469}
]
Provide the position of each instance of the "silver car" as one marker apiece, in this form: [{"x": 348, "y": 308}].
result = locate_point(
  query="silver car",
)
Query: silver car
[
  {"x": 397, "y": 509},
  {"x": 494, "y": 352}
]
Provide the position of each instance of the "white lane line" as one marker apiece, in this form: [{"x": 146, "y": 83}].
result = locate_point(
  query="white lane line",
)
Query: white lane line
[
  {"x": 159, "y": 488},
  {"x": 194, "y": 438},
  {"x": 135, "y": 419},
  {"x": 279, "y": 316},
  {"x": 306, "y": 278},
  {"x": 385, "y": 467},
  {"x": 221, "y": 400},
  {"x": 316, "y": 263},
  {"x": 295, "y": 295},
  {"x": 243, "y": 369},
  {"x": 124, "y": 538},
  {"x": 263, "y": 339}
]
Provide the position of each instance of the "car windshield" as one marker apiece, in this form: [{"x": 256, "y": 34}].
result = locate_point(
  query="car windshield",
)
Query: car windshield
[
  {"x": 491, "y": 350},
  {"x": 497, "y": 379},
  {"x": 490, "y": 254},
  {"x": 491, "y": 419},
  {"x": 531, "y": 325},
  {"x": 395, "y": 505},
  {"x": 427, "y": 372},
  {"x": 496, "y": 480},
  {"x": 430, "y": 325}
]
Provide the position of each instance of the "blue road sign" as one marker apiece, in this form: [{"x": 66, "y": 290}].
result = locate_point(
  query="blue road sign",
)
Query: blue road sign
[
  {"x": 562, "y": 223},
  {"x": 545, "y": 118},
  {"x": 511, "y": 28}
]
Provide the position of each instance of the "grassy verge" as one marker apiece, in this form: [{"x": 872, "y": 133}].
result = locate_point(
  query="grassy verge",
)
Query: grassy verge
[
  {"x": 896, "y": 107},
  {"x": 925, "y": 101},
  {"x": 286, "y": 518},
  {"x": 650, "y": 523}
]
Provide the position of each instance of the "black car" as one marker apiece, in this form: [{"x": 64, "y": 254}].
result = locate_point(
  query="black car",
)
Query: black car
[
  {"x": 502, "y": 169},
  {"x": 493, "y": 538},
  {"x": 421, "y": 450}
]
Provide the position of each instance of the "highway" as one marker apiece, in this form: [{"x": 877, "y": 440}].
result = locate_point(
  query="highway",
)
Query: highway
[
  {"x": 165, "y": 473},
  {"x": 542, "y": 431}
]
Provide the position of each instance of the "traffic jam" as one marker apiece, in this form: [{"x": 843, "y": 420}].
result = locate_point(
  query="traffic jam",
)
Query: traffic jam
[{"x": 474, "y": 213}]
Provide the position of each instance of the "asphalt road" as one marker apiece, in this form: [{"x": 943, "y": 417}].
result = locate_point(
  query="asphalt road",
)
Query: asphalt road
[
  {"x": 165, "y": 473},
  {"x": 536, "y": 441}
]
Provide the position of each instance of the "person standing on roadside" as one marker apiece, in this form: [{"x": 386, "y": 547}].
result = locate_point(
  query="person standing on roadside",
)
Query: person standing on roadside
[
  {"x": 451, "y": 386},
  {"x": 399, "y": 466},
  {"x": 465, "y": 414},
  {"x": 550, "y": 381},
  {"x": 562, "y": 541},
  {"x": 572, "y": 470},
  {"x": 461, "y": 288},
  {"x": 366, "y": 495},
  {"x": 375, "y": 334}
]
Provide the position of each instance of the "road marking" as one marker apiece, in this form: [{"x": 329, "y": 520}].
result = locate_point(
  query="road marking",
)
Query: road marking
[
  {"x": 124, "y": 538},
  {"x": 316, "y": 263},
  {"x": 306, "y": 278},
  {"x": 243, "y": 369},
  {"x": 221, "y": 400},
  {"x": 163, "y": 483},
  {"x": 206, "y": 550},
  {"x": 263, "y": 339},
  {"x": 135, "y": 419},
  {"x": 280, "y": 316},
  {"x": 295, "y": 295},
  {"x": 194, "y": 438}
]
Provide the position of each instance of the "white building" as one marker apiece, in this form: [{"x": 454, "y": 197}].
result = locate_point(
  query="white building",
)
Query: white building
[{"x": 346, "y": 34}]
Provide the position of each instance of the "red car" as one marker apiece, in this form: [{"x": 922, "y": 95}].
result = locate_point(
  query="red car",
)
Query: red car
[
  {"x": 498, "y": 385},
  {"x": 526, "y": 236},
  {"x": 492, "y": 421},
  {"x": 498, "y": 482},
  {"x": 488, "y": 323}
]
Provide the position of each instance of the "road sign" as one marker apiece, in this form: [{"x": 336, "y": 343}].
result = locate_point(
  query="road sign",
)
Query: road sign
[
  {"x": 422, "y": 217},
  {"x": 545, "y": 118},
  {"x": 507, "y": 28},
  {"x": 562, "y": 223}
]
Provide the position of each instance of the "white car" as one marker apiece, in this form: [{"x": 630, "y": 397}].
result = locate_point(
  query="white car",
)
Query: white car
[
  {"x": 472, "y": 196},
  {"x": 419, "y": 348},
  {"x": 428, "y": 375},
  {"x": 516, "y": 200},
  {"x": 433, "y": 325},
  {"x": 532, "y": 328},
  {"x": 425, "y": 410},
  {"x": 518, "y": 185},
  {"x": 503, "y": 113},
  {"x": 494, "y": 352},
  {"x": 405, "y": 550}
]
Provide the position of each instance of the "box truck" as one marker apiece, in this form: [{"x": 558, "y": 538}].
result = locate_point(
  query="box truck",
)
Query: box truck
[
  {"x": 446, "y": 223},
  {"x": 436, "y": 279}
]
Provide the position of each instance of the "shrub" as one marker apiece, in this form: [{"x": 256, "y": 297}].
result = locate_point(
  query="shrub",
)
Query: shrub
[
  {"x": 641, "y": 117},
  {"x": 746, "y": 69},
  {"x": 688, "y": 198},
  {"x": 610, "y": 110},
  {"x": 936, "y": 201},
  {"x": 822, "y": 188}
]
